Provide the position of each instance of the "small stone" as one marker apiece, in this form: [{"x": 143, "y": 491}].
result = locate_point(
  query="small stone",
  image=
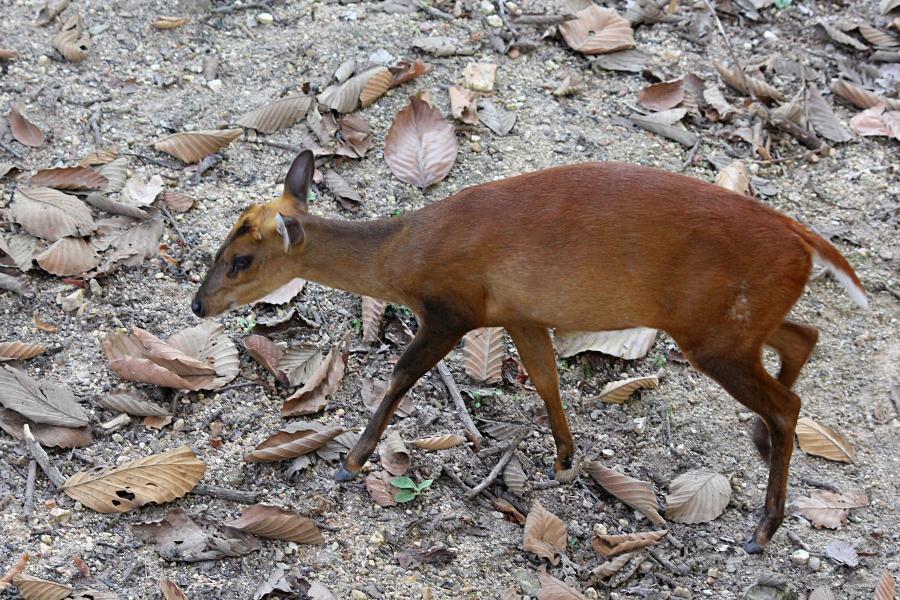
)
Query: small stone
[
  {"x": 682, "y": 592},
  {"x": 800, "y": 557},
  {"x": 487, "y": 7},
  {"x": 358, "y": 595},
  {"x": 99, "y": 28},
  {"x": 745, "y": 416},
  {"x": 713, "y": 572},
  {"x": 73, "y": 301},
  {"x": 427, "y": 593},
  {"x": 215, "y": 85},
  {"x": 815, "y": 563},
  {"x": 770, "y": 36},
  {"x": 96, "y": 288},
  {"x": 608, "y": 452},
  {"x": 494, "y": 21},
  {"x": 480, "y": 76},
  {"x": 265, "y": 18},
  {"x": 43, "y": 60},
  {"x": 46, "y": 539}
]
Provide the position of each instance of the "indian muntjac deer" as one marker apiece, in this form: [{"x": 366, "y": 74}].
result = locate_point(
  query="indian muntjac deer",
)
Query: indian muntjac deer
[{"x": 587, "y": 247}]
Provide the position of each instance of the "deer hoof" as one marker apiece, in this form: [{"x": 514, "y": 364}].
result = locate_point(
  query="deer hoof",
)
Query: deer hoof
[
  {"x": 343, "y": 475},
  {"x": 752, "y": 547}
]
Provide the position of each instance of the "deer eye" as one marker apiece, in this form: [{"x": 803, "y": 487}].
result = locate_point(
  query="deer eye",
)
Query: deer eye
[{"x": 239, "y": 263}]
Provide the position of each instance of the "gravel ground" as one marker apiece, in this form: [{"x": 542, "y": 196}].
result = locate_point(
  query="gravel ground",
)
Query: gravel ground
[{"x": 847, "y": 384}]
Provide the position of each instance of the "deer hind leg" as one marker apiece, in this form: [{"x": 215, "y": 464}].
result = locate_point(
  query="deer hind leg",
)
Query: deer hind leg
[
  {"x": 794, "y": 343},
  {"x": 536, "y": 351},
  {"x": 744, "y": 377}
]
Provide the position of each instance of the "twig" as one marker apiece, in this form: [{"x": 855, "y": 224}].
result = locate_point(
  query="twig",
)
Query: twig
[
  {"x": 434, "y": 12},
  {"x": 171, "y": 219},
  {"x": 236, "y": 6},
  {"x": 95, "y": 127},
  {"x": 667, "y": 564},
  {"x": 498, "y": 468},
  {"x": 212, "y": 417},
  {"x": 543, "y": 19},
  {"x": 40, "y": 455},
  {"x": 545, "y": 485},
  {"x": 224, "y": 493},
  {"x": 692, "y": 154},
  {"x": 824, "y": 485},
  {"x": 130, "y": 571},
  {"x": 274, "y": 144},
  {"x": 797, "y": 541},
  {"x": 455, "y": 479},
  {"x": 28, "y": 504},
  {"x": 805, "y": 155},
  {"x": 11, "y": 150},
  {"x": 153, "y": 161},
  {"x": 463, "y": 412},
  {"x": 206, "y": 164},
  {"x": 669, "y": 441},
  {"x": 501, "y": 10},
  {"x": 236, "y": 386}
]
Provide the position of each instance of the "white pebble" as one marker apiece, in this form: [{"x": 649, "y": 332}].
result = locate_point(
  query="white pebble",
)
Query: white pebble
[{"x": 265, "y": 18}]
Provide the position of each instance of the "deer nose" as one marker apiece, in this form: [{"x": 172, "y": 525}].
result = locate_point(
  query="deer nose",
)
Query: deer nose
[{"x": 197, "y": 307}]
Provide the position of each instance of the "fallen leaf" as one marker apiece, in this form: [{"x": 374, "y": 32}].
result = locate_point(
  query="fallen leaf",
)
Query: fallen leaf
[
  {"x": 9, "y": 169},
  {"x": 40, "y": 401},
  {"x": 480, "y": 76},
  {"x": 443, "y": 46},
  {"x": 132, "y": 403},
  {"x": 132, "y": 241},
  {"x": 73, "y": 40},
  {"x": 760, "y": 89},
  {"x": 180, "y": 537},
  {"x": 346, "y": 195},
  {"x": 68, "y": 256},
  {"x": 19, "y": 251},
  {"x": 48, "y": 435},
  {"x": 823, "y": 119},
  {"x": 50, "y": 10},
  {"x": 277, "y": 114},
  {"x": 99, "y": 157},
  {"x": 16, "y": 350},
  {"x": 886, "y": 6},
  {"x": 138, "y": 192},
  {"x": 877, "y": 37},
  {"x": 637, "y": 494},
  {"x": 22, "y": 129},
  {"x": 34, "y": 588},
  {"x": 157, "y": 422},
  {"x": 827, "y": 509},
  {"x": 345, "y": 97},
  {"x": 393, "y": 453},
  {"x": 169, "y": 588},
  {"x": 438, "y": 442},
  {"x": 735, "y": 177},
  {"x": 629, "y": 344},
  {"x": 156, "y": 478},
  {"x": 597, "y": 30},
  {"x": 372, "y": 312},
  {"x": 611, "y": 545},
  {"x": 12, "y": 280},
  {"x": 514, "y": 477},
  {"x": 299, "y": 363},
  {"x": 69, "y": 178},
  {"x": 277, "y": 524},
  {"x": 380, "y": 489},
  {"x": 285, "y": 293},
  {"x": 267, "y": 353},
  {"x": 372, "y": 393},
  {"x": 554, "y": 589},
  {"x": 436, "y": 555},
  {"x": 612, "y": 567},
  {"x": 885, "y": 589},
  {"x": 420, "y": 147},
  {"x": 656, "y": 123},
  {"x": 630, "y": 61},
  {"x": 375, "y": 87},
  {"x": 404, "y": 71},
  {"x": 842, "y": 38},
  {"x": 462, "y": 105},
  {"x": 295, "y": 439},
  {"x": 51, "y": 214},
  {"x": 507, "y": 508},
  {"x": 719, "y": 109},
  {"x": 663, "y": 95},
  {"x": 544, "y": 534},
  {"x": 484, "y": 353},
  {"x": 192, "y": 146},
  {"x": 44, "y": 325},
  {"x": 322, "y": 382},
  {"x": 697, "y": 497},
  {"x": 842, "y": 553},
  {"x": 177, "y": 202},
  {"x": 617, "y": 392},
  {"x": 821, "y": 440},
  {"x": 115, "y": 171}
]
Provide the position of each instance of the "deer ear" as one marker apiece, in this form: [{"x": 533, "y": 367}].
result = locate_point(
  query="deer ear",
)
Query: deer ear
[
  {"x": 299, "y": 178},
  {"x": 291, "y": 231}
]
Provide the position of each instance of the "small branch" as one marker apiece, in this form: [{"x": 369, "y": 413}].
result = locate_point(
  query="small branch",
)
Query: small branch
[
  {"x": 95, "y": 127},
  {"x": 542, "y": 19},
  {"x": 434, "y": 12},
  {"x": 131, "y": 570},
  {"x": 40, "y": 455},
  {"x": 28, "y": 504},
  {"x": 223, "y": 493},
  {"x": 455, "y": 479},
  {"x": 236, "y": 6},
  {"x": 11, "y": 150},
  {"x": 153, "y": 161},
  {"x": 206, "y": 164},
  {"x": 212, "y": 417},
  {"x": 501, "y": 10},
  {"x": 796, "y": 539},
  {"x": 498, "y": 468},
  {"x": 237, "y": 386},
  {"x": 274, "y": 144},
  {"x": 171, "y": 219},
  {"x": 692, "y": 154},
  {"x": 545, "y": 485},
  {"x": 824, "y": 485},
  {"x": 463, "y": 412}
]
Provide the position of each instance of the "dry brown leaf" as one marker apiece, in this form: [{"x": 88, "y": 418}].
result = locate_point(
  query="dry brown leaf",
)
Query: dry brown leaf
[
  {"x": 637, "y": 494},
  {"x": 663, "y": 95},
  {"x": 862, "y": 98},
  {"x": 697, "y": 497},
  {"x": 544, "y": 534},
  {"x": 823, "y": 119},
  {"x": 133, "y": 241},
  {"x": 420, "y": 147},
  {"x": 277, "y": 114},
  {"x": 277, "y": 524},
  {"x": 356, "y": 134},
  {"x": 438, "y": 442},
  {"x": 735, "y": 177},
  {"x": 68, "y": 256},
  {"x": 40, "y": 401},
  {"x": 16, "y": 350},
  {"x": 629, "y": 61},
  {"x": 886, "y": 6},
  {"x": 393, "y": 453},
  {"x": 157, "y": 422},
  {"x": 19, "y": 251},
  {"x": 842, "y": 38},
  {"x": 462, "y": 105},
  {"x": 34, "y": 588},
  {"x": 299, "y": 363},
  {"x": 345, "y": 97},
  {"x": 404, "y": 71},
  {"x": 617, "y": 392},
  {"x": 877, "y": 37},
  {"x": 115, "y": 171},
  {"x": 293, "y": 440},
  {"x": 73, "y": 40},
  {"x": 376, "y": 86},
  {"x": 719, "y": 110},
  {"x": 842, "y": 553},
  {"x": 165, "y": 22},
  {"x": 99, "y": 157},
  {"x": 875, "y": 121},
  {"x": 44, "y": 325},
  {"x": 322, "y": 382},
  {"x": 496, "y": 119},
  {"x": 828, "y": 509},
  {"x": 169, "y": 588},
  {"x": 597, "y": 30},
  {"x": 180, "y": 537},
  {"x": 654, "y": 124},
  {"x": 192, "y": 146},
  {"x": 380, "y": 489},
  {"x": 8, "y": 53},
  {"x": 50, "y": 10},
  {"x": 760, "y": 89},
  {"x": 507, "y": 508},
  {"x": 571, "y": 84},
  {"x": 372, "y": 393},
  {"x": 372, "y": 312},
  {"x": 821, "y": 440},
  {"x": 611, "y": 567},
  {"x": 885, "y": 589},
  {"x": 267, "y": 353},
  {"x": 8, "y": 168},
  {"x": 610, "y": 545},
  {"x": 156, "y": 478},
  {"x": 177, "y": 202},
  {"x": 629, "y": 344},
  {"x": 285, "y": 293},
  {"x": 346, "y": 195},
  {"x": 132, "y": 403},
  {"x": 12, "y": 280},
  {"x": 554, "y": 589},
  {"x": 514, "y": 477},
  {"x": 480, "y": 76},
  {"x": 51, "y": 214},
  {"x": 484, "y": 353},
  {"x": 138, "y": 192},
  {"x": 22, "y": 129},
  {"x": 69, "y": 178},
  {"x": 13, "y": 423}
]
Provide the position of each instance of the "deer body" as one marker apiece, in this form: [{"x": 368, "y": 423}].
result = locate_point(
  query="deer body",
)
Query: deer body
[{"x": 598, "y": 246}]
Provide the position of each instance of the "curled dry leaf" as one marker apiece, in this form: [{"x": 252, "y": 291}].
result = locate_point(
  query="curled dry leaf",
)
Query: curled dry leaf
[
  {"x": 115, "y": 171},
  {"x": 875, "y": 121},
  {"x": 40, "y": 401},
  {"x": 662, "y": 123},
  {"x": 438, "y": 442},
  {"x": 293, "y": 440},
  {"x": 821, "y": 440},
  {"x": 157, "y": 422},
  {"x": 617, "y": 392},
  {"x": 376, "y": 86},
  {"x": 629, "y": 344},
  {"x": 276, "y": 115},
  {"x": 462, "y": 105},
  {"x": 663, "y": 95},
  {"x": 51, "y": 214},
  {"x": 554, "y": 589},
  {"x": 569, "y": 86},
  {"x": 372, "y": 313},
  {"x": 99, "y": 157},
  {"x": 823, "y": 119},
  {"x": 372, "y": 393},
  {"x": 357, "y": 135},
  {"x": 299, "y": 363},
  {"x": 346, "y": 195},
  {"x": 177, "y": 202},
  {"x": 420, "y": 147},
  {"x": 629, "y": 61},
  {"x": 277, "y": 524},
  {"x": 735, "y": 177},
  {"x": 611, "y": 567},
  {"x": 165, "y": 22},
  {"x": 404, "y": 71},
  {"x": 138, "y": 192},
  {"x": 719, "y": 110},
  {"x": 484, "y": 353},
  {"x": 612, "y": 545},
  {"x": 157, "y": 478},
  {"x": 842, "y": 38},
  {"x": 828, "y": 509},
  {"x": 322, "y": 382},
  {"x": 50, "y": 10},
  {"x": 34, "y": 588},
  {"x": 514, "y": 477},
  {"x": 877, "y": 37},
  {"x": 380, "y": 489},
  {"x": 68, "y": 256},
  {"x": 507, "y": 508},
  {"x": 169, "y": 588},
  {"x": 747, "y": 84},
  {"x": 285, "y": 293},
  {"x": 22, "y": 129},
  {"x": 496, "y": 119},
  {"x": 12, "y": 280},
  {"x": 20, "y": 250},
  {"x": 544, "y": 534},
  {"x": 885, "y": 589},
  {"x": 267, "y": 353},
  {"x": 345, "y": 97},
  {"x": 842, "y": 553},
  {"x": 393, "y": 453},
  {"x": 73, "y": 40},
  {"x": 8, "y": 169},
  {"x": 132, "y": 403},
  {"x": 16, "y": 350},
  {"x": 597, "y": 30},
  {"x": 180, "y": 537},
  {"x": 69, "y": 178},
  {"x": 697, "y": 497},
  {"x": 13, "y": 423},
  {"x": 190, "y": 147},
  {"x": 637, "y": 494},
  {"x": 44, "y": 325}
]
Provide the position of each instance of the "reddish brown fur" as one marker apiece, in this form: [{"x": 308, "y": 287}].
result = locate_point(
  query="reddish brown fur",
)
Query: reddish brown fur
[{"x": 598, "y": 246}]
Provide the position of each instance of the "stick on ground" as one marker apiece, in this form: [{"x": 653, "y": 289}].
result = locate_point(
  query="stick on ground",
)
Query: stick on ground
[
  {"x": 463, "y": 412},
  {"x": 224, "y": 493},
  {"x": 28, "y": 504},
  {"x": 40, "y": 455},
  {"x": 498, "y": 468}
]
